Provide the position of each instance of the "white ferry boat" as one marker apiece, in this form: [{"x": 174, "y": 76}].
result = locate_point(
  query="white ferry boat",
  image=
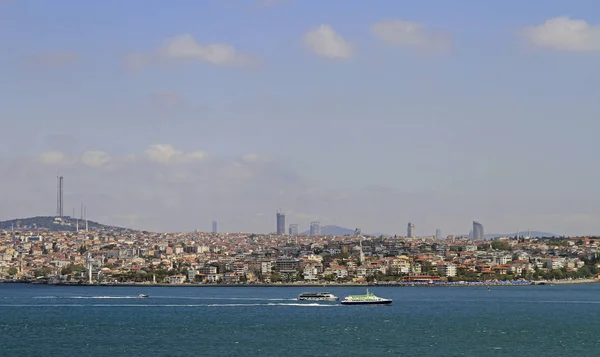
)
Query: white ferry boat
[
  {"x": 318, "y": 297},
  {"x": 368, "y": 299}
]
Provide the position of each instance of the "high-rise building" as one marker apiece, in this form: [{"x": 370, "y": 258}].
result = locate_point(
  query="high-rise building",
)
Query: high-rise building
[
  {"x": 478, "y": 231},
  {"x": 315, "y": 228},
  {"x": 293, "y": 229},
  {"x": 410, "y": 230},
  {"x": 280, "y": 223},
  {"x": 438, "y": 234},
  {"x": 59, "y": 197},
  {"x": 215, "y": 227},
  {"x": 357, "y": 232}
]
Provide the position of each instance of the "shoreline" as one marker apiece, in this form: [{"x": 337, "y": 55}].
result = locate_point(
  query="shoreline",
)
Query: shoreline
[{"x": 314, "y": 285}]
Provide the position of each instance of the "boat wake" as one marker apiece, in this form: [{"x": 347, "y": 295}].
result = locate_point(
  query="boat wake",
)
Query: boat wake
[
  {"x": 223, "y": 298},
  {"x": 85, "y": 297},
  {"x": 167, "y": 305}
]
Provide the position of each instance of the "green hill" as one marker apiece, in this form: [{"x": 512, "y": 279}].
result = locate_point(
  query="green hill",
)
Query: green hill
[{"x": 54, "y": 224}]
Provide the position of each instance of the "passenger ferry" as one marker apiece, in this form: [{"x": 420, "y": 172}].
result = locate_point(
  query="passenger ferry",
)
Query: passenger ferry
[
  {"x": 368, "y": 299},
  {"x": 318, "y": 297}
]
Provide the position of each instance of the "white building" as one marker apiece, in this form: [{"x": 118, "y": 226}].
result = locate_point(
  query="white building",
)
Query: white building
[{"x": 448, "y": 269}]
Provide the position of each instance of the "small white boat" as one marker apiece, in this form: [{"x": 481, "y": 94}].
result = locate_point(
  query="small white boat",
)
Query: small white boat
[
  {"x": 318, "y": 297},
  {"x": 143, "y": 295}
]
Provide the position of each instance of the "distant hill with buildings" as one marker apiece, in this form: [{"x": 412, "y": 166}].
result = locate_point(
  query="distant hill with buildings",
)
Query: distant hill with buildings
[
  {"x": 341, "y": 231},
  {"x": 54, "y": 224},
  {"x": 533, "y": 234},
  {"x": 334, "y": 231}
]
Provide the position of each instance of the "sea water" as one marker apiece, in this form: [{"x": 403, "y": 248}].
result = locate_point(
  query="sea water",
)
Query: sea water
[{"x": 39, "y": 320}]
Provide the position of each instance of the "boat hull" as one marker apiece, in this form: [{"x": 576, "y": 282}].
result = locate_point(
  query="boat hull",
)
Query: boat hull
[{"x": 386, "y": 302}]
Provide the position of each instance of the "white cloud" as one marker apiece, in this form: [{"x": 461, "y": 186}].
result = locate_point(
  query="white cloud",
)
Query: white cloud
[
  {"x": 412, "y": 35},
  {"x": 194, "y": 156},
  {"x": 564, "y": 34},
  {"x": 52, "y": 157},
  {"x": 184, "y": 47},
  {"x": 325, "y": 42},
  {"x": 53, "y": 59},
  {"x": 167, "y": 154},
  {"x": 162, "y": 153},
  {"x": 95, "y": 158}
]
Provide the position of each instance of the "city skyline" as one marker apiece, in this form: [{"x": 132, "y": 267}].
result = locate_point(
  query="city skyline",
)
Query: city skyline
[{"x": 153, "y": 128}]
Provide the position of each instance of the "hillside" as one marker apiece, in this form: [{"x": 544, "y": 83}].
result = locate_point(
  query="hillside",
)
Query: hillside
[
  {"x": 534, "y": 234},
  {"x": 338, "y": 231},
  {"x": 54, "y": 224}
]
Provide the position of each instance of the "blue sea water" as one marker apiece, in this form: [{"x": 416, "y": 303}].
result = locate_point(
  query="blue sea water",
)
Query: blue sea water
[{"x": 39, "y": 320}]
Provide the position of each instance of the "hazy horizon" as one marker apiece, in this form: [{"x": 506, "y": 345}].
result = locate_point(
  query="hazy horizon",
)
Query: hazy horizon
[{"x": 165, "y": 117}]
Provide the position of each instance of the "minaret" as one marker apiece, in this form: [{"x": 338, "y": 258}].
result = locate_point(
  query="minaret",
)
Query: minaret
[{"x": 85, "y": 217}]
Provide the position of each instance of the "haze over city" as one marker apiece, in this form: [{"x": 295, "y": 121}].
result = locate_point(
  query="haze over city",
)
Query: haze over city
[{"x": 371, "y": 114}]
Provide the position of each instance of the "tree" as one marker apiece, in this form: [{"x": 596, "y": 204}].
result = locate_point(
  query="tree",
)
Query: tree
[
  {"x": 42, "y": 272},
  {"x": 275, "y": 277},
  {"x": 12, "y": 271},
  {"x": 72, "y": 268},
  {"x": 501, "y": 245}
]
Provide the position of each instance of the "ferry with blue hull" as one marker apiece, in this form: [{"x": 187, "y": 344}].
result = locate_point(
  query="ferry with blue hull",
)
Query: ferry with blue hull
[{"x": 368, "y": 299}]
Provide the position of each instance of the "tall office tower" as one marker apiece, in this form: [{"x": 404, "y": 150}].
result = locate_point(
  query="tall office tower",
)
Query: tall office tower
[
  {"x": 410, "y": 230},
  {"x": 215, "y": 227},
  {"x": 357, "y": 232},
  {"x": 293, "y": 229},
  {"x": 280, "y": 223},
  {"x": 315, "y": 228},
  {"x": 59, "y": 196},
  {"x": 438, "y": 234},
  {"x": 478, "y": 231}
]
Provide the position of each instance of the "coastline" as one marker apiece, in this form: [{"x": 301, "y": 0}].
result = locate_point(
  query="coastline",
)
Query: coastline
[{"x": 325, "y": 285}]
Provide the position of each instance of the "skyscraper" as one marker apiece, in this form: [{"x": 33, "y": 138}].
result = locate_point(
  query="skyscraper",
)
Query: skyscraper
[
  {"x": 280, "y": 223},
  {"x": 410, "y": 230},
  {"x": 215, "y": 227},
  {"x": 315, "y": 228},
  {"x": 59, "y": 196},
  {"x": 293, "y": 229},
  {"x": 438, "y": 234},
  {"x": 478, "y": 231}
]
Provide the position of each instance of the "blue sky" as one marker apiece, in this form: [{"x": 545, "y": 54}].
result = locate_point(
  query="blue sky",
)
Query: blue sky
[{"x": 359, "y": 113}]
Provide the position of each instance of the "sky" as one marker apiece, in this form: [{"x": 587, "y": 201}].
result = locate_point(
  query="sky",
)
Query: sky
[{"x": 167, "y": 115}]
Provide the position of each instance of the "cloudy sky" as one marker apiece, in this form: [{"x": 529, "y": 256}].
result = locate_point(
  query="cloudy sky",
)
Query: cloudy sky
[{"x": 165, "y": 115}]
